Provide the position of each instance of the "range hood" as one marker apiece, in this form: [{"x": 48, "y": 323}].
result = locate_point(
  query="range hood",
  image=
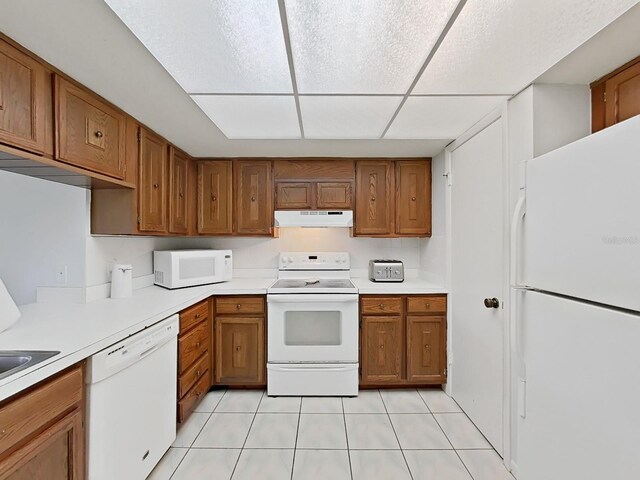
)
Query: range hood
[{"x": 314, "y": 218}]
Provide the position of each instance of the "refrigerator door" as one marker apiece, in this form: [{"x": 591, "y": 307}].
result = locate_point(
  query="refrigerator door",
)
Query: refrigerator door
[
  {"x": 582, "y": 391},
  {"x": 581, "y": 234}
]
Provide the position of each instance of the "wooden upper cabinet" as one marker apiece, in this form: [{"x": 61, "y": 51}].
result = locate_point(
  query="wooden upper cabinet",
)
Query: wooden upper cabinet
[
  {"x": 616, "y": 96},
  {"x": 215, "y": 197},
  {"x": 413, "y": 198},
  {"x": 240, "y": 351},
  {"x": 89, "y": 133},
  {"x": 426, "y": 345},
  {"x": 254, "y": 197},
  {"x": 333, "y": 195},
  {"x": 292, "y": 195},
  {"x": 179, "y": 192},
  {"x": 152, "y": 183},
  {"x": 381, "y": 349},
  {"x": 23, "y": 90},
  {"x": 374, "y": 198}
]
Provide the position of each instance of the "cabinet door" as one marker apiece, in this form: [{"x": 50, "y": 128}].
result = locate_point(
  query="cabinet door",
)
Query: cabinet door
[
  {"x": 413, "y": 198},
  {"x": 22, "y": 100},
  {"x": 426, "y": 349},
  {"x": 179, "y": 192},
  {"x": 254, "y": 201},
  {"x": 89, "y": 133},
  {"x": 240, "y": 349},
  {"x": 293, "y": 195},
  {"x": 214, "y": 198},
  {"x": 381, "y": 349},
  {"x": 623, "y": 95},
  {"x": 333, "y": 195},
  {"x": 57, "y": 453},
  {"x": 374, "y": 198},
  {"x": 152, "y": 186}
]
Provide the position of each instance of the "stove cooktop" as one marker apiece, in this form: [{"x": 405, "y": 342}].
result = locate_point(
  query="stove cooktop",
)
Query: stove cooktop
[{"x": 313, "y": 285}]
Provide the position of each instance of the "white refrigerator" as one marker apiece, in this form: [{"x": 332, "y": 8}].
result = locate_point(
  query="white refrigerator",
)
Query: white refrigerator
[{"x": 576, "y": 319}]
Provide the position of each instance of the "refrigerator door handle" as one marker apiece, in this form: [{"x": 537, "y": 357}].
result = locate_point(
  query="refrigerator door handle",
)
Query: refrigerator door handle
[{"x": 516, "y": 230}]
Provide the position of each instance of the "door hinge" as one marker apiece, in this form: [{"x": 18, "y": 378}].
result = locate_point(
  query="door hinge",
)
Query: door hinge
[
  {"x": 604, "y": 97},
  {"x": 139, "y": 219},
  {"x": 139, "y": 136}
]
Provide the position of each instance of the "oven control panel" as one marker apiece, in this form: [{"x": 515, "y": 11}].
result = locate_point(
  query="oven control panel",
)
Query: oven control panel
[{"x": 314, "y": 261}]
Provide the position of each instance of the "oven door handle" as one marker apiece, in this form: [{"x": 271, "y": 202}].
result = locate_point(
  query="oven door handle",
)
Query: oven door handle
[
  {"x": 300, "y": 367},
  {"x": 314, "y": 298}
]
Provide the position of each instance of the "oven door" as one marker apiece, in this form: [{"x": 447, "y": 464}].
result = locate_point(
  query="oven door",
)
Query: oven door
[{"x": 312, "y": 328}]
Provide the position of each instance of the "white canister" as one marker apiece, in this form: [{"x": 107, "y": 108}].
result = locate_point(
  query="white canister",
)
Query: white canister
[{"x": 121, "y": 281}]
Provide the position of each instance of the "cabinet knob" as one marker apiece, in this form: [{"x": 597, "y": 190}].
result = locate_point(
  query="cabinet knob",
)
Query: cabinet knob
[
  {"x": 427, "y": 347},
  {"x": 213, "y": 198},
  {"x": 382, "y": 346},
  {"x": 197, "y": 344},
  {"x": 155, "y": 185},
  {"x": 99, "y": 134},
  {"x": 197, "y": 373},
  {"x": 382, "y": 305},
  {"x": 238, "y": 306},
  {"x": 197, "y": 315},
  {"x": 238, "y": 348},
  {"x": 373, "y": 199},
  {"x": 253, "y": 198},
  {"x": 181, "y": 195},
  {"x": 413, "y": 199}
]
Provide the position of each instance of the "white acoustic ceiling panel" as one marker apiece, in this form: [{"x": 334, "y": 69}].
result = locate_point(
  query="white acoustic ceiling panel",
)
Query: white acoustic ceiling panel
[
  {"x": 499, "y": 46},
  {"x": 346, "y": 116},
  {"x": 221, "y": 46},
  {"x": 252, "y": 116},
  {"x": 441, "y": 116},
  {"x": 362, "y": 46}
]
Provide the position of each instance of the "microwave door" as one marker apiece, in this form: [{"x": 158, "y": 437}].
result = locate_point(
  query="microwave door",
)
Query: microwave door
[{"x": 198, "y": 270}]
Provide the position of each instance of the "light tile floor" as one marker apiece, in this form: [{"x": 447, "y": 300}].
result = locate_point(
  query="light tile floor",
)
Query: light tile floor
[{"x": 388, "y": 434}]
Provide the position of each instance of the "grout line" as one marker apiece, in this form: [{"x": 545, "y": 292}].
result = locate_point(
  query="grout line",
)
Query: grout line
[
  {"x": 247, "y": 437},
  {"x": 295, "y": 445},
  {"x": 436, "y": 46},
  {"x": 396, "y": 435},
  {"x": 448, "y": 440},
  {"x": 346, "y": 434}
]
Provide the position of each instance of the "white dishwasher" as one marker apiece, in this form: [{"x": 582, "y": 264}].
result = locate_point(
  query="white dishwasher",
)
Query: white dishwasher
[{"x": 131, "y": 402}]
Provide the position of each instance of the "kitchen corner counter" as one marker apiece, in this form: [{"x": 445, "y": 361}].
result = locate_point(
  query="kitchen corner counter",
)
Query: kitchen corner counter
[
  {"x": 80, "y": 330},
  {"x": 410, "y": 286}
]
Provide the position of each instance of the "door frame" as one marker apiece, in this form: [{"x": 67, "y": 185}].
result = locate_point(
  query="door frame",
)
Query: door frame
[{"x": 500, "y": 113}]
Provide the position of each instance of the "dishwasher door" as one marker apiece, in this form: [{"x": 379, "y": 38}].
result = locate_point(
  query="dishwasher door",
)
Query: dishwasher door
[{"x": 131, "y": 403}]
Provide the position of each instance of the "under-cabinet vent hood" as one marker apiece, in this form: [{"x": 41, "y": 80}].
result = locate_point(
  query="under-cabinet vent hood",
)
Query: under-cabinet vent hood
[{"x": 314, "y": 218}]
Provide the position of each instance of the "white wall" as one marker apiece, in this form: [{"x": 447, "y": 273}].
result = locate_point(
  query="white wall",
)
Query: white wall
[
  {"x": 433, "y": 250},
  {"x": 42, "y": 229}
]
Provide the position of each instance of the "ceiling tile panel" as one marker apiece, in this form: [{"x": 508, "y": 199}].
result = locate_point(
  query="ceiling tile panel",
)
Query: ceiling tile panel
[
  {"x": 252, "y": 116},
  {"x": 346, "y": 116},
  {"x": 441, "y": 116},
  {"x": 221, "y": 46},
  {"x": 500, "y": 46},
  {"x": 362, "y": 46}
]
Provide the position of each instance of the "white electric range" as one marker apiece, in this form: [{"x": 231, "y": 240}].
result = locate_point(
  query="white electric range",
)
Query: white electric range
[{"x": 312, "y": 326}]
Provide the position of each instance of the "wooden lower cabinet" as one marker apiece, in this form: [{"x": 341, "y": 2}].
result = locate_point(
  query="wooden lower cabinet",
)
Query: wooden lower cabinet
[
  {"x": 42, "y": 435},
  {"x": 403, "y": 340}
]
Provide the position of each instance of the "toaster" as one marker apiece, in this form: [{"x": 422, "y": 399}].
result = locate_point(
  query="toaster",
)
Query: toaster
[{"x": 386, "y": 271}]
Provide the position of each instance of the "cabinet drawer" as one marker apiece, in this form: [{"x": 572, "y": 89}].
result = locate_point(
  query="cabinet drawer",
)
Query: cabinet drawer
[
  {"x": 193, "y": 397},
  {"x": 381, "y": 305},
  {"x": 242, "y": 305},
  {"x": 193, "y": 374},
  {"x": 30, "y": 412},
  {"x": 427, "y": 304},
  {"x": 192, "y": 345},
  {"x": 194, "y": 314}
]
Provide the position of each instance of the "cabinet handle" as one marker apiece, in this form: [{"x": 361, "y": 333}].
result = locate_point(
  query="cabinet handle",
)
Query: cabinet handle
[
  {"x": 238, "y": 348},
  {"x": 428, "y": 305},
  {"x": 382, "y": 305},
  {"x": 253, "y": 198},
  {"x": 197, "y": 373},
  {"x": 413, "y": 199},
  {"x": 155, "y": 185},
  {"x": 382, "y": 346},
  {"x": 99, "y": 134},
  {"x": 197, "y": 315},
  {"x": 427, "y": 347},
  {"x": 197, "y": 344},
  {"x": 213, "y": 198},
  {"x": 181, "y": 195},
  {"x": 373, "y": 199},
  {"x": 238, "y": 306}
]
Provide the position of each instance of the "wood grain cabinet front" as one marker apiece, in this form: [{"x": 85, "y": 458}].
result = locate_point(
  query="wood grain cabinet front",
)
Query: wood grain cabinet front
[
  {"x": 152, "y": 183},
  {"x": 382, "y": 349},
  {"x": 616, "y": 96},
  {"x": 294, "y": 195},
  {"x": 333, "y": 195},
  {"x": 180, "y": 192},
  {"x": 425, "y": 348},
  {"x": 413, "y": 198},
  {"x": 254, "y": 197},
  {"x": 215, "y": 197},
  {"x": 374, "y": 198}
]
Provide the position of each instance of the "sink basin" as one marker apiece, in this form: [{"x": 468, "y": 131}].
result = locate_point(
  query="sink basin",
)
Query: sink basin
[{"x": 12, "y": 361}]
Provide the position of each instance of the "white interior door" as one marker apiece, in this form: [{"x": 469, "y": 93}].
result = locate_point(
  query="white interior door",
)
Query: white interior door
[{"x": 477, "y": 272}]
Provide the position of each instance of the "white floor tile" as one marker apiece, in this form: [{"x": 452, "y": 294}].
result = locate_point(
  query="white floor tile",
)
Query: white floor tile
[
  {"x": 367, "y": 401},
  {"x": 168, "y": 464},
  {"x": 433, "y": 464},
  {"x": 485, "y": 465},
  {"x": 189, "y": 430},
  {"x": 273, "y": 430},
  {"x": 322, "y": 430},
  {"x": 279, "y": 405},
  {"x": 210, "y": 401},
  {"x": 416, "y": 431},
  {"x": 240, "y": 401},
  {"x": 225, "y": 430},
  {"x": 378, "y": 465},
  {"x": 461, "y": 431},
  {"x": 263, "y": 465},
  {"x": 403, "y": 401},
  {"x": 439, "y": 402},
  {"x": 207, "y": 463},
  {"x": 321, "y": 464},
  {"x": 321, "y": 405},
  {"x": 370, "y": 431}
]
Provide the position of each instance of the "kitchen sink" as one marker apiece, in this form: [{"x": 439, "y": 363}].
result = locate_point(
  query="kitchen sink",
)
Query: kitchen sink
[{"x": 12, "y": 361}]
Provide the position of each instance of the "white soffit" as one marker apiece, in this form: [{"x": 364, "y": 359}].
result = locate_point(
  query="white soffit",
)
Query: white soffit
[
  {"x": 498, "y": 46},
  {"x": 441, "y": 116},
  {"x": 362, "y": 46},
  {"x": 252, "y": 116},
  {"x": 220, "y": 46},
  {"x": 346, "y": 116}
]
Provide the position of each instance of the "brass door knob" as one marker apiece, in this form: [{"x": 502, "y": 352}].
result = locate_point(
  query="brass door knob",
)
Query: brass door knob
[{"x": 491, "y": 303}]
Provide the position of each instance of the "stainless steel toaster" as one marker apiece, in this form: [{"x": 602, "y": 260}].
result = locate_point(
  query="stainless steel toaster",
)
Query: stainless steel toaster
[{"x": 386, "y": 271}]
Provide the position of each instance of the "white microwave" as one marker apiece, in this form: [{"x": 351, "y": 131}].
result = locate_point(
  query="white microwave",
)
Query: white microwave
[{"x": 187, "y": 268}]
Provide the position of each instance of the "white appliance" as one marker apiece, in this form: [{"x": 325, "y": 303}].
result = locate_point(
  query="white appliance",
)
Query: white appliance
[
  {"x": 313, "y": 218},
  {"x": 121, "y": 281},
  {"x": 577, "y": 310},
  {"x": 187, "y": 268},
  {"x": 312, "y": 332},
  {"x": 131, "y": 403}
]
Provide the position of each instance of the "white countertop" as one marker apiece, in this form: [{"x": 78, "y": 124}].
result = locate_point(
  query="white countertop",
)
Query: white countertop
[{"x": 410, "y": 286}]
